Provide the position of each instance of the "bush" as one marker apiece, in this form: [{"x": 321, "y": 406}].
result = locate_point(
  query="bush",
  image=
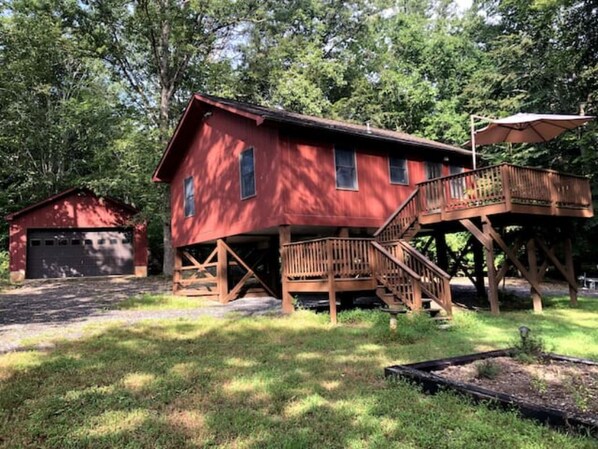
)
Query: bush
[
  {"x": 4, "y": 265},
  {"x": 487, "y": 369},
  {"x": 529, "y": 350}
]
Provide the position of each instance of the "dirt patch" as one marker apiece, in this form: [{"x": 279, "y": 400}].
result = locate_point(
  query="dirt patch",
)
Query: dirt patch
[{"x": 566, "y": 386}]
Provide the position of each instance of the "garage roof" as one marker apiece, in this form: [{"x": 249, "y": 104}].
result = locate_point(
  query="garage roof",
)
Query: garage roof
[{"x": 64, "y": 194}]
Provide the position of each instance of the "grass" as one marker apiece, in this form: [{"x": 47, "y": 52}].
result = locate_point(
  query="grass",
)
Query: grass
[
  {"x": 162, "y": 302},
  {"x": 290, "y": 382}
]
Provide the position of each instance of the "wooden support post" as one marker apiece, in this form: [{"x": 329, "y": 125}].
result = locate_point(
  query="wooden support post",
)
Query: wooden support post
[
  {"x": 570, "y": 270},
  {"x": 284, "y": 237},
  {"x": 441, "y": 250},
  {"x": 331, "y": 283},
  {"x": 478, "y": 259},
  {"x": 492, "y": 281},
  {"x": 533, "y": 271},
  {"x": 343, "y": 233},
  {"x": 177, "y": 272},
  {"x": 222, "y": 271}
]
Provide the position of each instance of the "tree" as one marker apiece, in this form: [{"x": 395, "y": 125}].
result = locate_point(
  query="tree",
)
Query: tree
[{"x": 161, "y": 51}]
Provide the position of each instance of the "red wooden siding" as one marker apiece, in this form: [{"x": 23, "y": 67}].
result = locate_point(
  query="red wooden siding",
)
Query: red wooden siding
[
  {"x": 76, "y": 210},
  {"x": 310, "y": 187},
  {"x": 213, "y": 160}
]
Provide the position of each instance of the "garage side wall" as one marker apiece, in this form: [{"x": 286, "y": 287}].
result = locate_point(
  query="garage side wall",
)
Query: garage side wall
[{"x": 78, "y": 210}]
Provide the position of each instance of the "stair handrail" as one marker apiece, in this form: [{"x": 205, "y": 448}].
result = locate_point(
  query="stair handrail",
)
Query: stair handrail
[
  {"x": 438, "y": 289},
  {"x": 406, "y": 246},
  {"x": 413, "y": 299},
  {"x": 411, "y": 200},
  {"x": 401, "y": 264}
]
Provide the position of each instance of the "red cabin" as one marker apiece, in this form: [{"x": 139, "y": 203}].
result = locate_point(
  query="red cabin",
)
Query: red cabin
[{"x": 267, "y": 199}]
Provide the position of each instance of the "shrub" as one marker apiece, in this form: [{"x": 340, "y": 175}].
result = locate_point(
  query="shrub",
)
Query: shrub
[
  {"x": 4, "y": 265},
  {"x": 487, "y": 369},
  {"x": 529, "y": 350}
]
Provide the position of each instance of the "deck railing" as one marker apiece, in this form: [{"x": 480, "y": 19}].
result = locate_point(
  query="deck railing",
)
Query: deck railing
[
  {"x": 397, "y": 277},
  {"x": 394, "y": 228},
  {"x": 503, "y": 186},
  {"x": 314, "y": 259},
  {"x": 435, "y": 282}
]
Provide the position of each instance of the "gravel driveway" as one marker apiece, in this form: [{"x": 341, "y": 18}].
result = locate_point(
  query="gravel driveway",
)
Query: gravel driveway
[{"x": 62, "y": 308}]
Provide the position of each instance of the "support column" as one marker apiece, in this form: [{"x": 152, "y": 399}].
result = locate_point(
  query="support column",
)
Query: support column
[
  {"x": 478, "y": 260},
  {"x": 177, "y": 273},
  {"x": 331, "y": 284},
  {"x": 343, "y": 233},
  {"x": 284, "y": 237},
  {"x": 492, "y": 282},
  {"x": 570, "y": 270},
  {"x": 222, "y": 271},
  {"x": 533, "y": 272},
  {"x": 441, "y": 250}
]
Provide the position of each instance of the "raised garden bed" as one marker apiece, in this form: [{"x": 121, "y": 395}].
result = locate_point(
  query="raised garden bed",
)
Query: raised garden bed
[{"x": 558, "y": 390}]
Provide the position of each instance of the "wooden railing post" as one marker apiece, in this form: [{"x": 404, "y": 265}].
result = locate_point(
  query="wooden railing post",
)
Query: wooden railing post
[
  {"x": 506, "y": 185},
  {"x": 177, "y": 272},
  {"x": 222, "y": 271},
  {"x": 284, "y": 237},
  {"x": 331, "y": 283}
]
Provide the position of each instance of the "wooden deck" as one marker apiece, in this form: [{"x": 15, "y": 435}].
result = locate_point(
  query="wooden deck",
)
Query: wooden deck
[
  {"x": 499, "y": 189},
  {"x": 400, "y": 275}
]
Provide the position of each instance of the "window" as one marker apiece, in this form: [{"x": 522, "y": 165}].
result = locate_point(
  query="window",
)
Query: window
[
  {"x": 101, "y": 241},
  {"x": 398, "y": 170},
  {"x": 247, "y": 169},
  {"x": 35, "y": 242},
  {"x": 49, "y": 242},
  {"x": 75, "y": 242},
  {"x": 189, "y": 199},
  {"x": 346, "y": 168},
  {"x": 113, "y": 241},
  {"x": 63, "y": 242},
  {"x": 433, "y": 170},
  {"x": 87, "y": 242},
  {"x": 457, "y": 184}
]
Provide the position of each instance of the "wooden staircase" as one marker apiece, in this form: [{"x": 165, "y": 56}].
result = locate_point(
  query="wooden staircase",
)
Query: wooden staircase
[{"x": 406, "y": 278}]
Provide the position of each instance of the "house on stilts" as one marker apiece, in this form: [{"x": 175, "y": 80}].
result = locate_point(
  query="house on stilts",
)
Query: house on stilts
[{"x": 286, "y": 203}]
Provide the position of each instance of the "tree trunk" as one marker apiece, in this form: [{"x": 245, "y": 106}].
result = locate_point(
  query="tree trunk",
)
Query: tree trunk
[{"x": 168, "y": 262}]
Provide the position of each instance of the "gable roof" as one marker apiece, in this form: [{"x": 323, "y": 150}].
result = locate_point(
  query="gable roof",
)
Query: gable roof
[
  {"x": 64, "y": 194},
  {"x": 261, "y": 114}
]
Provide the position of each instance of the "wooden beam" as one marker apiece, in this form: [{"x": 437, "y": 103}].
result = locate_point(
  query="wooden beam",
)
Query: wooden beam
[
  {"x": 533, "y": 271},
  {"x": 222, "y": 271},
  {"x": 441, "y": 250},
  {"x": 509, "y": 253},
  {"x": 249, "y": 269},
  {"x": 331, "y": 284},
  {"x": 478, "y": 260},
  {"x": 284, "y": 237},
  {"x": 482, "y": 237},
  {"x": 177, "y": 274},
  {"x": 492, "y": 284},
  {"x": 571, "y": 271},
  {"x": 564, "y": 270}
]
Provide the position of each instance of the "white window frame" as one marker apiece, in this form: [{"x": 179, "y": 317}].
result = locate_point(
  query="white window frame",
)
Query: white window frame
[
  {"x": 252, "y": 149},
  {"x": 406, "y": 183},
  {"x": 351, "y": 189}
]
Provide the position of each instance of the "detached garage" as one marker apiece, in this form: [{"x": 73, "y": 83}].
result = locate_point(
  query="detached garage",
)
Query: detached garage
[{"x": 76, "y": 233}]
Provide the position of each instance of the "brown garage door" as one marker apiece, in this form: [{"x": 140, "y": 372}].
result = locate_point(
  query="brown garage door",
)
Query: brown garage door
[{"x": 69, "y": 253}]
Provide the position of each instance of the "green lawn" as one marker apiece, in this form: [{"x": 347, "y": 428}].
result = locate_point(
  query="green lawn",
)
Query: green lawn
[
  {"x": 163, "y": 302},
  {"x": 291, "y": 382}
]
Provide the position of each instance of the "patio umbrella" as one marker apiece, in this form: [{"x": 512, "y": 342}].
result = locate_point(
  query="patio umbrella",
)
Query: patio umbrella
[{"x": 524, "y": 128}]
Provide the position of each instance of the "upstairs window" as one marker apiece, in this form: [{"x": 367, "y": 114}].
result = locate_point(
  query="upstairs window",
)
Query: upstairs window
[
  {"x": 247, "y": 172},
  {"x": 433, "y": 170},
  {"x": 346, "y": 168},
  {"x": 398, "y": 170},
  {"x": 189, "y": 199}
]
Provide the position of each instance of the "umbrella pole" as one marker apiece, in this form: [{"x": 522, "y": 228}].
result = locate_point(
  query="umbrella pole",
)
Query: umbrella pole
[{"x": 473, "y": 140}]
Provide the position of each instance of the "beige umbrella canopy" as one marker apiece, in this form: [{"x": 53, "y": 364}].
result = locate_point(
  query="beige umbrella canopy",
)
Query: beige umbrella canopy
[
  {"x": 528, "y": 128},
  {"x": 524, "y": 128}
]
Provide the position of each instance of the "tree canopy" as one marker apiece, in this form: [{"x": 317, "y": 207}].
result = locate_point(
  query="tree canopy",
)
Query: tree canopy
[{"x": 91, "y": 90}]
